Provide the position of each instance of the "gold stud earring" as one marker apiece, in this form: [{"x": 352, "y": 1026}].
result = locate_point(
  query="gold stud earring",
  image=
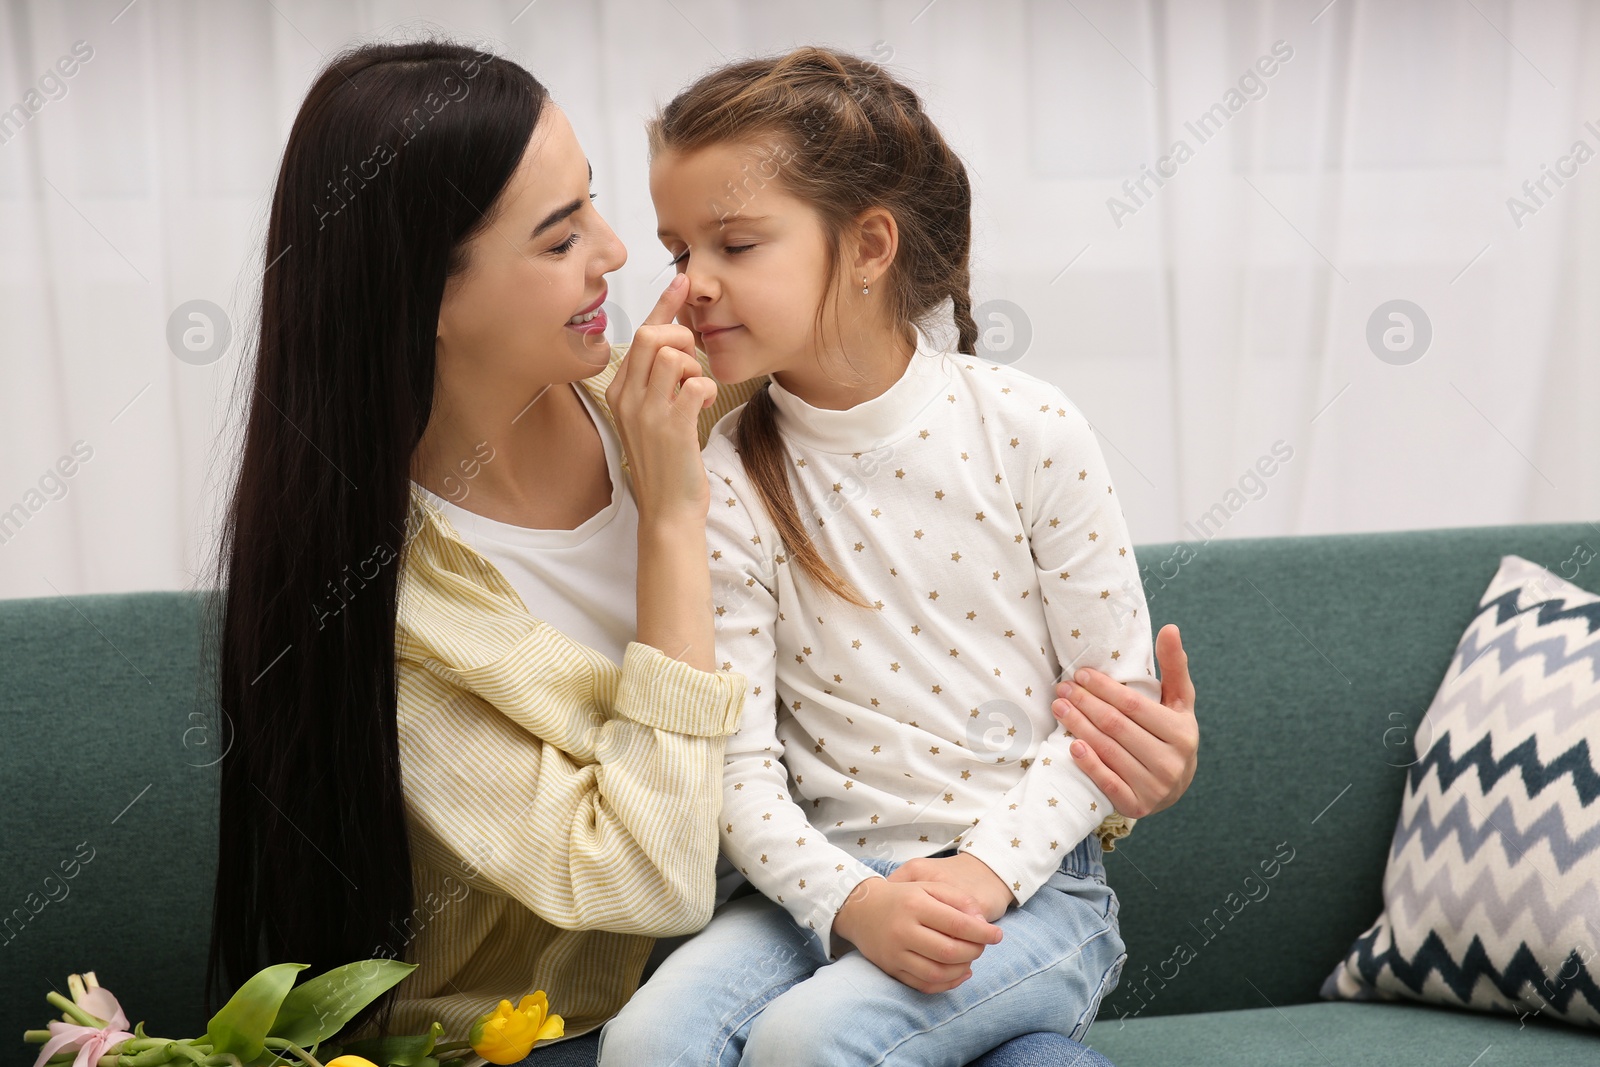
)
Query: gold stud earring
[{"x": 864, "y": 289}]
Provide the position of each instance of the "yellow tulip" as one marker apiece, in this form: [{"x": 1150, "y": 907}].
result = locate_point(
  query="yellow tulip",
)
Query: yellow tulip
[
  {"x": 508, "y": 1034},
  {"x": 349, "y": 1061}
]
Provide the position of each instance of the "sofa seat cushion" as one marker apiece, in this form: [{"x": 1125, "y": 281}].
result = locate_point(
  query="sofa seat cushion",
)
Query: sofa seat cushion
[{"x": 1346, "y": 1034}]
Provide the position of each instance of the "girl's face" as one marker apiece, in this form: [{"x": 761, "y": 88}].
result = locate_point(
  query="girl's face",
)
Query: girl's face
[
  {"x": 754, "y": 254},
  {"x": 506, "y": 323}
]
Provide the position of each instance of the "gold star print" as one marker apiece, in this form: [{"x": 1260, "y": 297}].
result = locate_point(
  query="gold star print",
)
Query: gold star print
[
  {"x": 861, "y": 840},
  {"x": 802, "y": 886},
  {"x": 876, "y": 749},
  {"x": 900, "y": 472},
  {"x": 996, "y": 479},
  {"x": 737, "y": 786},
  {"x": 1082, "y": 475},
  {"x": 997, "y": 672},
  {"x": 721, "y": 610},
  {"x": 956, "y": 556},
  {"x": 949, "y": 798},
  {"x": 1016, "y": 842},
  {"x": 857, "y": 643},
  {"x": 1077, "y": 633},
  {"x": 973, "y": 713},
  {"x": 1007, "y": 389},
  {"x": 1054, "y": 522},
  {"x": 917, "y": 534},
  {"x": 997, "y": 576},
  {"x": 1062, "y": 412},
  {"x": 924, "y": 837},
  {"x": 937, "y": 690},
  {"x": 980, "y": 516},
  {"x": 1011, "y": 633},
  {"x": 766, "y": 763},
  {"x": 971, "y": 615},
  {"x": 838, "y": 486},
  {"x": 1046, "y": 761},
  {"x": 1105, "y": 594},
  {"x": 1052, "y": 802},
  {"x": 895, "y": 666},
  {"x": 731, "y": 501},
  {"x": 854, "y": 771},
  {"x": 1064, "y": 575},
  {"x": 1116, "y": 655},
  {"x": 1014, "y": 442},
  {"x": 754, "y": 630},
  {"x": 1044, "y": 407},
  {"x": 1093, "y": 536},
  {"x": 878, "y": 604},
  {"x": 799, "y": 463},
  {"x": 1055, "y": 845},
  {"x": 874, "y": 820},
  {"x": 933, "y": 594},
  {"x": 717, "y": 554},
  {"x": 933, "y": 749},
  {"x": 727, "y": 665},
  {"x": 800, "y": 841},
  {"x": 938, "y": 494},
  {"x": 730, "y": 828},
  {"x": 1094, "y": 805},
  {"x": 799, "y": 659},
  {"x": 1122, "y": 551},
  {"x": 950, "y": 397},
  {"x": 874, "y": 701},
  {"x": 1016, "y": 886},
  {"x": 923, "y": 435},
  {"x": 915, "y": 629},
  {"x": 763, "y": 857},
  {"x": 767, "y": 817},
  {"x": 1048, "y": 462},
  {"x": 1017, "y": 539},
  {"x": 876, "y": 513},
  {"x": 954, "y": 653},
  {"x": 859, "y": 546},
  {"x": 849, "y": 785}
]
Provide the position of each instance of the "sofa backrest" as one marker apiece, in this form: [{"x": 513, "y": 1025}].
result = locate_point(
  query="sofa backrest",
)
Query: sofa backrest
[{"x": 1314, "y": 659}]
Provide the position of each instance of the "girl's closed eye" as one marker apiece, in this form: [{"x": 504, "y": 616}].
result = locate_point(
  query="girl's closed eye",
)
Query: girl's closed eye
[{"x": 681, "y": 257}]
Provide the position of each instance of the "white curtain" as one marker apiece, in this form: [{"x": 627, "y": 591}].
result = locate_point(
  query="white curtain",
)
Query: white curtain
[{"x": 1334, "y": 158}]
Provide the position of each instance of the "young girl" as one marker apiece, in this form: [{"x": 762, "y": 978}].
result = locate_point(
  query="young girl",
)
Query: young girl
[{"x": 909, "y": 547}]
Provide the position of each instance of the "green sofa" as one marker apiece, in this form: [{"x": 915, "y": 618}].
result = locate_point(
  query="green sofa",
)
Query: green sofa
[{"x": 1314, "y": 658}]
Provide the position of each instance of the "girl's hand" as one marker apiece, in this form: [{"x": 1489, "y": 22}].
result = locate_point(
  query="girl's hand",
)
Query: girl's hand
[
  {"x": 656, "y": 397},
  {"x": 1141, "y": 754},
  {"x": 925, "y": 934},
  {"x": 965, "y": 872}
]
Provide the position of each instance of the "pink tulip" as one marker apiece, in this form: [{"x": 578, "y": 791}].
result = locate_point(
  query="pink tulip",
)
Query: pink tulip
[{"x": 90, "y": 1041}]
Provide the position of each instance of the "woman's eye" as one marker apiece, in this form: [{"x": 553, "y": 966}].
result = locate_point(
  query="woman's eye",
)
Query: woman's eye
[
  {"x": 735, "y": 249},
  {"x": 678, "y": 259},
  {"x": 566, "y": 246}
]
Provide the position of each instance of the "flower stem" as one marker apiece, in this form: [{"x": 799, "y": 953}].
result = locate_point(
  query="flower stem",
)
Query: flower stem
[{"x": 82, "y": 1017}]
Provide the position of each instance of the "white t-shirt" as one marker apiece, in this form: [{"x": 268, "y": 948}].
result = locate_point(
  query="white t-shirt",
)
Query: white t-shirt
[{"x": 584, "y": 582}]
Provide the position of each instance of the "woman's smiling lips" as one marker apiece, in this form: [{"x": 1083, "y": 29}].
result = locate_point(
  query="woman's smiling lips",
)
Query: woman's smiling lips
[
  {"x": 591, "y": 319},
  {"x": 708, "y": 332}
]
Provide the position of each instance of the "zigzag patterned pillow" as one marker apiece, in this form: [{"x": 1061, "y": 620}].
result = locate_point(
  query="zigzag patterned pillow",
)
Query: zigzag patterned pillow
[{"x": 1492, "y": 892}]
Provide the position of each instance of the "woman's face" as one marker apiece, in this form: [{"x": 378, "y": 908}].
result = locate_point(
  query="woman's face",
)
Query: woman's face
[
  {"x": 506, "y": 323},
  {"x": 755, "y": 255}
]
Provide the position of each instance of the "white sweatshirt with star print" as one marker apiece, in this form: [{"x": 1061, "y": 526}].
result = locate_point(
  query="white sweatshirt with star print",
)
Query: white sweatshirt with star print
[{"x": 971, "y": 505}]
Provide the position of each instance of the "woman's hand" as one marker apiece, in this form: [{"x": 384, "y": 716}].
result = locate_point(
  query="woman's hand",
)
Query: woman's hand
[
  {"x": 656, "y": 397},
  {"x": 1141, "y": 754}
]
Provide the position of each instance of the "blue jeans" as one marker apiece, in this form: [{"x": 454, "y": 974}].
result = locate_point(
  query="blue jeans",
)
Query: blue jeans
[{"x": 751, "y": 991}]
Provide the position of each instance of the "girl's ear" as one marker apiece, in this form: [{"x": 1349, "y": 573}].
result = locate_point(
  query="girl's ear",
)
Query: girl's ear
[{"x": 877, "y": 241}]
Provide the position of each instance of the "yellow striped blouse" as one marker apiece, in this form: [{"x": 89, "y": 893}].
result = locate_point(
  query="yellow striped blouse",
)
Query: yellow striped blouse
[{"x": 561, "y": 808}]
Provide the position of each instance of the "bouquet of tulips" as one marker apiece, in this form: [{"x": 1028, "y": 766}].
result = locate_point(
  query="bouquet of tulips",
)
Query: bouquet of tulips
[{"x": 271, "y": 1021}]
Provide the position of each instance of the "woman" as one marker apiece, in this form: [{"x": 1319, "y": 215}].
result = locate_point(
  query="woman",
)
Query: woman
[{"x": 494, "y": 752}]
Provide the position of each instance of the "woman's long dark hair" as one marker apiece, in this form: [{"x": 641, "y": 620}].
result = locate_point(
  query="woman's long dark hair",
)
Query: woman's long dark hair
[{"x": 395, "y": 159}]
